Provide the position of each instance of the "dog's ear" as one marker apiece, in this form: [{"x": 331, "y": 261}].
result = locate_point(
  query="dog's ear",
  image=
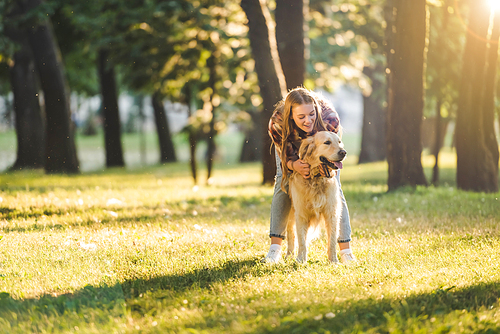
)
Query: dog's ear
[{"x": 306, "y": 148}]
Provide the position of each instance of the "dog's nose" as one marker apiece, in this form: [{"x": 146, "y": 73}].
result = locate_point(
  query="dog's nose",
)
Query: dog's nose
[{"x": 342, "y": 153}]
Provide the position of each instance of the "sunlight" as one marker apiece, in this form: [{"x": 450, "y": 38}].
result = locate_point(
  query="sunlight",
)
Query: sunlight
[{"x": 494, "y": 4}]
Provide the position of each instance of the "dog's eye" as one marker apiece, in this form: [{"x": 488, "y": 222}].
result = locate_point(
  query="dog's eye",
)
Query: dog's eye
[{"x": 327, "y": 142}]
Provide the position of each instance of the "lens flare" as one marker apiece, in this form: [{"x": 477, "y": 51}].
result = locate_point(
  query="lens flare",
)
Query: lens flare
[{"x": 494, "y": 4}]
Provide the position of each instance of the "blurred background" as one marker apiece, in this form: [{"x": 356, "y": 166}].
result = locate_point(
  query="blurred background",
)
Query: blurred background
[{"x": 107, "y": 83}]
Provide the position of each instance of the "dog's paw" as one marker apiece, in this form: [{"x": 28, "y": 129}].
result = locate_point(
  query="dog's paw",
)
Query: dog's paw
[{"x": 301, "y": 259}]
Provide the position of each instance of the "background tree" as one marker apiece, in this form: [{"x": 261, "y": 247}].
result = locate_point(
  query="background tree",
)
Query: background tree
[
  {"x": 270, "y": 88},
  {"x": 289, "y": 16},
  {"x": 167, "y": 150},
  {"x": 252, "y": 144},
  {"x": 442, "y": 74},
  {"x": 30, "y": 125},
  {"x": 490, "y": 83},
  {"x": 405, "y": 108},
  {"x": 110, "y": 111},
  {"x": 476, "y": 169},
  {"x": 60, "y": 148},
  {"x": 346, "y": 47}
]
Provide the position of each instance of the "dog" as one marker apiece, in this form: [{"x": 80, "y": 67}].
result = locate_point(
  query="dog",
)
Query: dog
[{"x": 316, "y": 199}]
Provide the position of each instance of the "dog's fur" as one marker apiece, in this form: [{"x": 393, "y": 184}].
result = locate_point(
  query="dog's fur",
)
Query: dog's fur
[{"x": 316, "y": 199}]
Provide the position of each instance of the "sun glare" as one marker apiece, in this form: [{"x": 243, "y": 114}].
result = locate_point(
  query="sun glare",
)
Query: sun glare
[{"x": 494, "y": 4}]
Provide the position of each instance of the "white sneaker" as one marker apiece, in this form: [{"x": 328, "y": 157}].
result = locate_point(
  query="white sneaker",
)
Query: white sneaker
[
  {"x": 347, "y": 257},
  {"x": 274, "y": 256}
]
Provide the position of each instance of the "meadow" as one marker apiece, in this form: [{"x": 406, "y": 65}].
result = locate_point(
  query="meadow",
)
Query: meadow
[{"x": 143, "y": 250}]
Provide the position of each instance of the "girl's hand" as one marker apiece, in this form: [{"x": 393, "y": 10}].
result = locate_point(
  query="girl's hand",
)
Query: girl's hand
[{"x": 302, "y": 168}]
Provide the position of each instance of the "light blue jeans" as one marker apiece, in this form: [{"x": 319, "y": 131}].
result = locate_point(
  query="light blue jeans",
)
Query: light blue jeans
[{"x": 281, "y": 205}]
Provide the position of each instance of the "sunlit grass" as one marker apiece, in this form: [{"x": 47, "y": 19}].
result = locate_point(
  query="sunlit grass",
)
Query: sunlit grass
[{"x": 145, "y": 251}]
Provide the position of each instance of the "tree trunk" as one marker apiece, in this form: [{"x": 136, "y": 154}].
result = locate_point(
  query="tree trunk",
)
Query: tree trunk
[
  {"x": 289, "y": 16},
  {"x": 269, "y": 84},
  {"x": 373, "y": 146},
  {"x": 60, "y": 144},
  {"x": 440, "y": 86},
  {"x": 476, "y": 170},
  {"x": 167, "y": 150},
  {"x": 139, "y": 102},
  {"x": 211, "y": 63},
  {"x": 489, "y": 92},
  {"x": 404, "y": 146},
  {"x": 437, "y": 144},
  {"x": 192, "y": 138},
  {"x": 29, "y": 122},
  {"x": 252, "y": 146},
  {"x": 110, "y": 112}
]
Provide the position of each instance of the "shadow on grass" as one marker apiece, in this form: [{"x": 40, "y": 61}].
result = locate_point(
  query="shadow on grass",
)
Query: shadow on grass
[
  {"x": 401, "y": 315},
  {"x": 202, "y": 278},
  {"x": 91, "y": 306},
  {"x": 107, "y": 305},
  {"x": 448, "y": 306}
]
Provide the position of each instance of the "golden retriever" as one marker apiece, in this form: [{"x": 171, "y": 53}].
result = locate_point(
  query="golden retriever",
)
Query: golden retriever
[{"x": 317, "y": 198}]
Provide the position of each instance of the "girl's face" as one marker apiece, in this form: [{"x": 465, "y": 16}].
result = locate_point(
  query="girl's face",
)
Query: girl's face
[{"x": 304, "y": 116}]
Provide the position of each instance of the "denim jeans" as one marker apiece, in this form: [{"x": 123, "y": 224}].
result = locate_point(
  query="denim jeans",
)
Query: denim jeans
[{"x": 281, "y": 205}]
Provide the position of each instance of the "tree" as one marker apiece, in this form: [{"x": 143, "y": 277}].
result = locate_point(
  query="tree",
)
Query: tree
[
  {"x": 30, "y": 125},
  {"x": 252, "y": 144},
  {"x": 289, "y": 16},
  {"x": 269, "y": 84},
  {"x": 110, "y": 112},
  {"x": 405, "y": 94},
  {"x": 373, "y": 145},
  {"x": 476, "y": 170},
  {"x": 443, "y": 70},
  {"x": 346, "y": 47},
  {"x": 490, "y": 83},
  {"x": 191, "y": 131},
  {"x": 212, "y": 66},
  {"x": 167, "y": 151},
  {"x": 60, "y": 145},
  {"x": 373, "y": 132}
]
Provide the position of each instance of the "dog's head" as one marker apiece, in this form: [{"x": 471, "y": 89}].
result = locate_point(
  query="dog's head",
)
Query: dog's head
[{"x": 324, "y": 147}]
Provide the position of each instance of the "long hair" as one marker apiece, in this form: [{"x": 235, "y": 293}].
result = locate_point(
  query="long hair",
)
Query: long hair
[{"x": 296, "y": 97}]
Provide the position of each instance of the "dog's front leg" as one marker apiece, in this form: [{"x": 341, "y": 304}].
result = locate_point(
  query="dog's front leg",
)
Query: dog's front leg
[
  {"x": 332, "y": 235},
  {"x": 302, "y": 227},
  {"x": 290, "y": 235}
]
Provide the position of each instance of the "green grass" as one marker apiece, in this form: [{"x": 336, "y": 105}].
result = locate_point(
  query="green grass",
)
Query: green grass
[{"x": 144, "y": 251}]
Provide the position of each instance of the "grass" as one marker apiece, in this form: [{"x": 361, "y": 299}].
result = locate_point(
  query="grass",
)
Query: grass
[{"x": 143, "y": 251}]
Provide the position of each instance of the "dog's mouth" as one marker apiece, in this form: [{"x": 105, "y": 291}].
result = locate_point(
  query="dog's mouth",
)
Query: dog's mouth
[{"x": 330, "y": 163}]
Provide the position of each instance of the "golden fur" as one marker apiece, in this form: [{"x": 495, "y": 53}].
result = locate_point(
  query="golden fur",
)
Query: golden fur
[{"x": 316, "y": 199}]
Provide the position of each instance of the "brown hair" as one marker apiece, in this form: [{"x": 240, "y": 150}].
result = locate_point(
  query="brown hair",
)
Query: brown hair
[{"x": 296, "y": 97}]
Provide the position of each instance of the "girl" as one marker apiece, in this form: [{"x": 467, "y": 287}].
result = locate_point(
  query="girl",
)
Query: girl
[{"x": 301, "y": 114}]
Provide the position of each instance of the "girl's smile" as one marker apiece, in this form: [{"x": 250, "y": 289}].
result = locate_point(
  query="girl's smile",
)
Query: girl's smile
[{"x": 304, "y": 116}]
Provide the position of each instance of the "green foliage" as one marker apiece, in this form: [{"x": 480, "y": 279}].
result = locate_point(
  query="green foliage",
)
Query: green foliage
[
  {"x": 345, "y": 36},
  {"x": 444, "y": 61},
  {"x": 166, "y": 46},
  {"x": 144, "y": 251}
]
